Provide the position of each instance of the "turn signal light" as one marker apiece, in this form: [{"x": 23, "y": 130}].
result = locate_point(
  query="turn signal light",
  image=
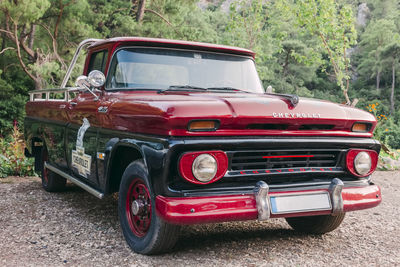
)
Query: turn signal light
[
  {"x": 203, "y": 126},
  {"x": 361, "y": 127}
]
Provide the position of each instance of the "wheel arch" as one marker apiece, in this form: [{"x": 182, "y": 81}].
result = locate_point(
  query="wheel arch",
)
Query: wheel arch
[{"x": 120, "y": 156}]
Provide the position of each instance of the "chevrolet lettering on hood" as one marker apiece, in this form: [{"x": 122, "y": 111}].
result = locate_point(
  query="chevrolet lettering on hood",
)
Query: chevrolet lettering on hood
[{"x": 296, "y": 115}]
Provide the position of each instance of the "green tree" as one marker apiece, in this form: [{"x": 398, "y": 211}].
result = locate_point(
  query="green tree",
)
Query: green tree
[
  {"x": 392, "y": 54},
  {"x": 333, "y": 22},
  {"x": 41, "y": 32},
  {"x": 377, "y": 35}
]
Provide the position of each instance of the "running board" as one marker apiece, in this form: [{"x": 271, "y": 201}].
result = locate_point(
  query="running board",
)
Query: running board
[{"x": 72, "y": 179}]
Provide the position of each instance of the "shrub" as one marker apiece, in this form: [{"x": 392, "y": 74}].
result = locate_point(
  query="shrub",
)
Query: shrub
[
  {"x": 387, "y": 130},
  {"x": 12, "y": 105},
  {"x": 12, "y": 158}
]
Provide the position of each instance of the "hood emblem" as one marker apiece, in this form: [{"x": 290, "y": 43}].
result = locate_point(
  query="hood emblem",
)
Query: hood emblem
[
  {"x": 296, "y": 115},
  {"x": 294, "y": 100}
]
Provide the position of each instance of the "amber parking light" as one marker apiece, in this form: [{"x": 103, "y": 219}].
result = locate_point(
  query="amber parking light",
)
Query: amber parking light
[
  {"x": 203, "y": 125},
  {"x": 361, "y": 127}
]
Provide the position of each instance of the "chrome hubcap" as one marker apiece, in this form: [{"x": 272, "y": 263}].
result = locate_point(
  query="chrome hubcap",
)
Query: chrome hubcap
[{"x": 138, "y": 207}]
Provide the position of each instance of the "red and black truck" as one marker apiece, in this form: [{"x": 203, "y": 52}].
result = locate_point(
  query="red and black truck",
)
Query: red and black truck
[{"x": 186, "y": 134}]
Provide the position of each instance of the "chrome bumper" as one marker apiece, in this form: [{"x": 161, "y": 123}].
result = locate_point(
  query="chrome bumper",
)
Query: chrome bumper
[{"x": 263, "y": 205}]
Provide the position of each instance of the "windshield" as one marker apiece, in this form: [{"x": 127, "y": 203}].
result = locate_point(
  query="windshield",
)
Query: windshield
[{"x": 155, "y": 68}]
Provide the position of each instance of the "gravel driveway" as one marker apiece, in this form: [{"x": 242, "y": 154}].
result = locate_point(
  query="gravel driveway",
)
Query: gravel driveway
[{"x": 73, "y": 228}]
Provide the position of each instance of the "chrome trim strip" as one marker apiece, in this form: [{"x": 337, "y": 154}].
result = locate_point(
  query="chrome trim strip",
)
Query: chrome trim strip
[
  {"x": 74, "y": 180},
  {"x": 262, "y": 200},
  {"x": 335, "y": 190}
]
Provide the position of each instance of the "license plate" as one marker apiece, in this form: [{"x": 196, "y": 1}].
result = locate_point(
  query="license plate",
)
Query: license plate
[{"x": 300, "y": 203}]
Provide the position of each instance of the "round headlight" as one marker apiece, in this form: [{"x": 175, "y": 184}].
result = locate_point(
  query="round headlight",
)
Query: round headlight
[
  {"x": 362, "y": 163},
  {"x": 204, "y": 168}
]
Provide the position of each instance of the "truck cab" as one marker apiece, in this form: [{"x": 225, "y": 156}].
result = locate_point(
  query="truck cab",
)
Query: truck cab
[{"x": 186, "y": 134}]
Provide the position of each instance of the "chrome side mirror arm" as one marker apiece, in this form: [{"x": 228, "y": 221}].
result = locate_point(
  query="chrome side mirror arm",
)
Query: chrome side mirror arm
[
  {"x": 82, "y": 45},
  {"x": 95, "y": 79}
]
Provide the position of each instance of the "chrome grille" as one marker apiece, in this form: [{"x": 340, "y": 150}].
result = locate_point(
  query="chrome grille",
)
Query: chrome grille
[{"x": 279, "y": 159}]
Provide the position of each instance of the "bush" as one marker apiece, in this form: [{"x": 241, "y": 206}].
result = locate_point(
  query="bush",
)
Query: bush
[
  {"x": 387, "y": 130},
  {"x": 12, "y": 158},
  {"x": 11, "y": 107}
]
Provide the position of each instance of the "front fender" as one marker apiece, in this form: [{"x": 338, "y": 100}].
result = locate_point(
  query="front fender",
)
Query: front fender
[{"x": 151, "y": 151}]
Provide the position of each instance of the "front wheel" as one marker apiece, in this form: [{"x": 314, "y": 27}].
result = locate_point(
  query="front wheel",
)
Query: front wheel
[
  {"x": 316, "y": 224},
  {"x": 143, "y": 230}
]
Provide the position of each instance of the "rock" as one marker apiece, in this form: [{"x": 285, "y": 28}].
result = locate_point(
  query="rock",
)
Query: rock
[
  {"x": 387, "y": 163},
  {"x": 362, "y": 15}
]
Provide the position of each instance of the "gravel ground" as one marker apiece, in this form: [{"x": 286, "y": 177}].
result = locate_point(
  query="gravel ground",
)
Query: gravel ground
[{"x": 74, "y": 228}]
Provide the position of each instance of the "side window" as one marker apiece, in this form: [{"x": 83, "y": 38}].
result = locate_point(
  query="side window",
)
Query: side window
[{"x": 98, "y": 61}]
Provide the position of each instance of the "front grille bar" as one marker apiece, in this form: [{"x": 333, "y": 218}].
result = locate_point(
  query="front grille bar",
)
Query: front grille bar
[{"x": 278, "y": 159}]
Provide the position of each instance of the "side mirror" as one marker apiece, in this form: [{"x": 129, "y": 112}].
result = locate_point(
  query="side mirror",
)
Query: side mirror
[
  {"x": 82, "y": 82},
  {"x": 96, "y": 78}
]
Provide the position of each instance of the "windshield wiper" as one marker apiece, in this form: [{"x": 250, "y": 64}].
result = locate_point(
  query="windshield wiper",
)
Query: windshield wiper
[
  {"x": 183, "y": 88},
  {"x": 227, "y": 88}
]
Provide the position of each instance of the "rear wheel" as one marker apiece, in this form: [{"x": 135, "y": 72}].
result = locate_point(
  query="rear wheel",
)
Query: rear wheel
[
  {"x": 143, "y": 230},
  {"x": 316, "y": 224},
  {"x": 51, "y": 182}
]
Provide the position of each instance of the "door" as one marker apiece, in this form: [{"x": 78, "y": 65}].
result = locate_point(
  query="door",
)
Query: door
[
  {"x": 82, "y": 132},
  {"x": 81, "y": 141}
]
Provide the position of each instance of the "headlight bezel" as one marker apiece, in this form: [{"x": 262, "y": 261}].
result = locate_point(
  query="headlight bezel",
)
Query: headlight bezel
[
  {"x": 350, "y": 161},
  {"x": 186, "y": 161}
]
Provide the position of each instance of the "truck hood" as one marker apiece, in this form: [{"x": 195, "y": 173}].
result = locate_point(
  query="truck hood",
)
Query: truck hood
[{"x": 237, "y": 114}]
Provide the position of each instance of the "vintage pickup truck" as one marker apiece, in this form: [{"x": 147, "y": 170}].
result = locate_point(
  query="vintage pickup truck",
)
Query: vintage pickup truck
[{"x": 186, "y": 134}]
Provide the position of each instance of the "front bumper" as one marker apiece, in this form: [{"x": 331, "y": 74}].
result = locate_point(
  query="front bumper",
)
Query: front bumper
[{"x": 239, "y": 207}]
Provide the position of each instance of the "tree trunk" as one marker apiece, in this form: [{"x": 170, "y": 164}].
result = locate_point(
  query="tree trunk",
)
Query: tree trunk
[
  {"x": 38, "y": 83},
  {"x": 3, "y": 44},
  {"x": 140, "y": 12},
  {"x": 378, "y": 81},
  {"x": 286, "y": 64},
  {"x": 32, "y": 36},
  {"x": 392, "y": 92},
  {"x": 345, "y": 93},
  {"x": 3, "y": 41}
]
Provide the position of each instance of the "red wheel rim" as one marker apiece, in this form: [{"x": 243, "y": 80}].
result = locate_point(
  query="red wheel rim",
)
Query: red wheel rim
[{"x": 139, "y": 220}]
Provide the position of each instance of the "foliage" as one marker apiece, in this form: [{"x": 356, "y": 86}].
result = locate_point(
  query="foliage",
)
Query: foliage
[
  {"x": 310, "y": 48},
  {"x": 333, "y": 22},
  {"x": 11, "y": 107},
  {"x": 12, "y": 158}
]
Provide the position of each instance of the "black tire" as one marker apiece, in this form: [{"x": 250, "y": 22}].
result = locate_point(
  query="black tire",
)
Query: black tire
[
  {"x": 316, "y": 224},
  {"x": 51, "y": 182},
  {"x": 144, "y": 231}
]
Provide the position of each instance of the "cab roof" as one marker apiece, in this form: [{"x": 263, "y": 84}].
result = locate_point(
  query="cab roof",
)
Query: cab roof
[{"x": 158, "y": 42}]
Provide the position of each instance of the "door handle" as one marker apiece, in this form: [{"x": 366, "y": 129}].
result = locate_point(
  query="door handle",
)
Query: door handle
[{"x": 73, "y": 103}]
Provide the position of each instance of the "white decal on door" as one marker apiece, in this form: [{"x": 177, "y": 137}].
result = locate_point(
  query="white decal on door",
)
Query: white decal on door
[{"x": 81, "y": 161}]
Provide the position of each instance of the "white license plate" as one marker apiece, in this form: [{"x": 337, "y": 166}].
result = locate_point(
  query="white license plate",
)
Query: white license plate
[{"x": 300, "y": 203}]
